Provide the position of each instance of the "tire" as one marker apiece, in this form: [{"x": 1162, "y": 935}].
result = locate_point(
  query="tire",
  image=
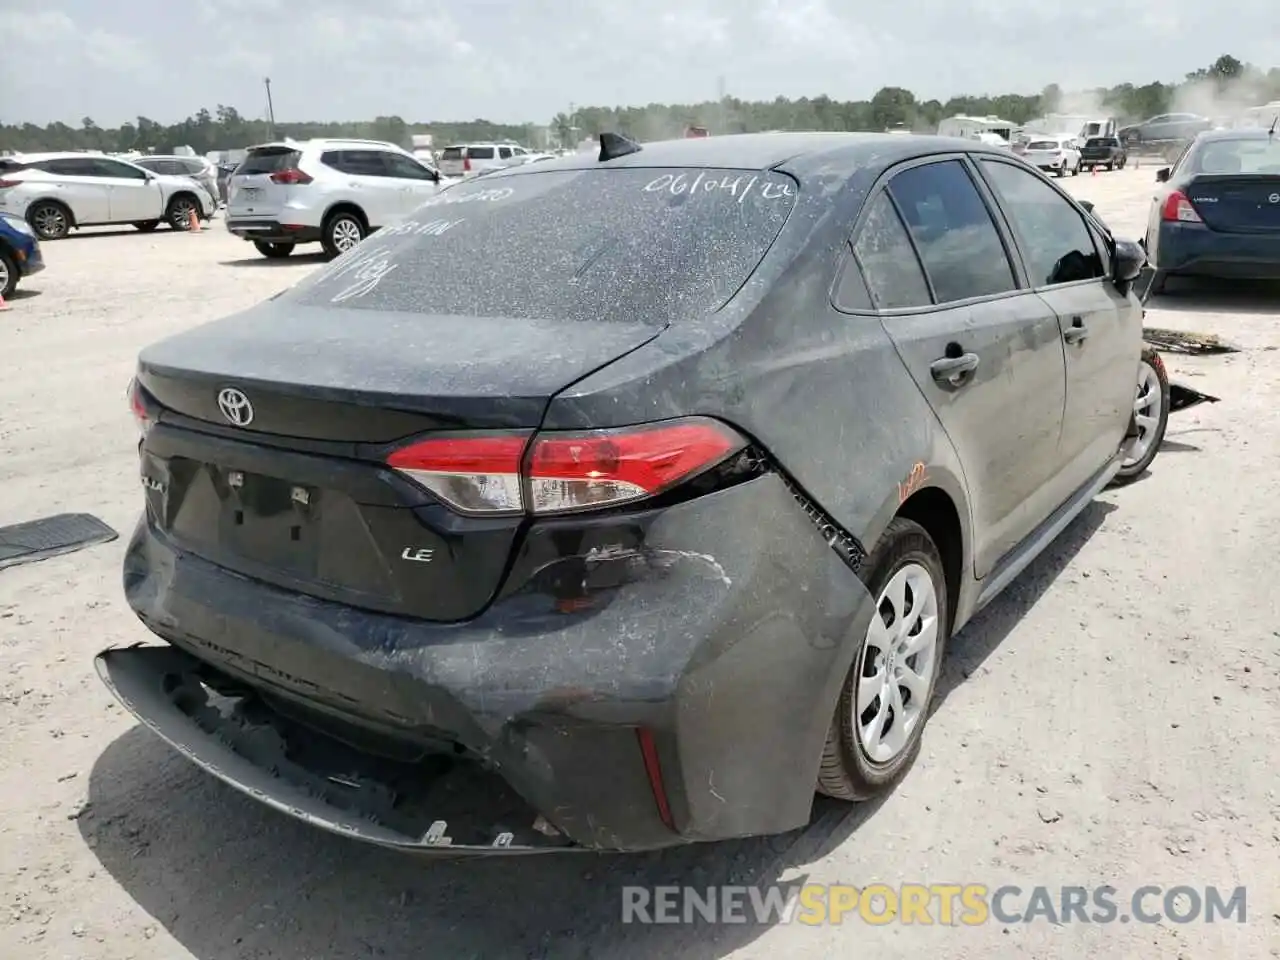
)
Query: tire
[
  {"x": 848, "y": 770},
  {"x": 146, "y": 226},
  {"x": 1151, "y": 402},
  {"x": 1075, "y": 171},
  {"x": 338, "y": 231},
  {"x": 273, "y": 251},
  {"x": 1111, "y": 166},
  {"x": 8, "y": 275},
  {"x": 178, "y": 213},
  {"x": 49, "y": 219}
]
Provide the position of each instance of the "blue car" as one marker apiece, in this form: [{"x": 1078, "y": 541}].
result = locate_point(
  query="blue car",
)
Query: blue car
[
  {"x": 1217, "y": 210},
  {"x": 19, "y": 253}
]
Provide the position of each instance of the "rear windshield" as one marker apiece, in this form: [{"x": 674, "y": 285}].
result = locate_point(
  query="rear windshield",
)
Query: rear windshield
[
  {"x": 636, "y": 245},
  {"x": 1043, "y": 145},
  {"x": 451, "y": 153},
  {"x": 1237, "y": 156},
  {"x": 1101, "y": 142},
  {"x": 270, "y": 160}
]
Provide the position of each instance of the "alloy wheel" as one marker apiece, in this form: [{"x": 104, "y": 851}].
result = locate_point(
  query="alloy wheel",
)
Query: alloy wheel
[
  {"x": 1146, "y": 411},
  {"x": 898, "y": 660},
  {"x": 346, "y": 233}
]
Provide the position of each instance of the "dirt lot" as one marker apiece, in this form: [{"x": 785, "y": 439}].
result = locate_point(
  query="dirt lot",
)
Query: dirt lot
[{"x": 1112, "y": 719}]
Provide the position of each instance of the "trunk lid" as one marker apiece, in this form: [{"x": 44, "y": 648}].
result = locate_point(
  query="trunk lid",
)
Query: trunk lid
[
  {"x": 272, "y": 427},
  {"x": 251, "y": 193},
  {"x": 1237, "y": 203},
  {"x": 299, "y": 496}
]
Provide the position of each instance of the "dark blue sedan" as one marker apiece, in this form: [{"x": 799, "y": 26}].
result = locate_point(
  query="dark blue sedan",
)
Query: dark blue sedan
[
  {"x": 1217, "y": 212},
  {"x": 19, "y": 253}
]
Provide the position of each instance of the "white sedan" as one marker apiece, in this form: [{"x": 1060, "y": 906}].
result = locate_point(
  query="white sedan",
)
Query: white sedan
[{"x": 56, "y": 192}]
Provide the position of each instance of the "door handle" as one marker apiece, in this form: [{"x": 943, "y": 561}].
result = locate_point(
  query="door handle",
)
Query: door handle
[
  {"x": 1077, "y": 332},
  {"x": 954, "y": 371}
]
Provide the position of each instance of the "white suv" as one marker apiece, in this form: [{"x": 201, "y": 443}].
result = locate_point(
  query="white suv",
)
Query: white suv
[
  {"x": 471, "y": 159},
  {"x": 335, "y": 192},
  {"x": 55, "y": 192}
]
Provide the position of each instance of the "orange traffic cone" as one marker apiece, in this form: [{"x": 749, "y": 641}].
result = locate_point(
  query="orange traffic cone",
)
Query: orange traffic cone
[
  {"x": 3, "y": 305},
  {"x": 193, "y": 222},
  {"x": 1094, "y": 171}
]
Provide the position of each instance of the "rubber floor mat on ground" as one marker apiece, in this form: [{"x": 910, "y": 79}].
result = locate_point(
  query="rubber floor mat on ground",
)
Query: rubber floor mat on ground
[{"x": 51, "y": 537}]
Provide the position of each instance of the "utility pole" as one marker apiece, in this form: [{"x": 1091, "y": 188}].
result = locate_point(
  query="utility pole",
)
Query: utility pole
[
  {"x": 721, "y": 119},
  {"x": 271, "y": 110}
]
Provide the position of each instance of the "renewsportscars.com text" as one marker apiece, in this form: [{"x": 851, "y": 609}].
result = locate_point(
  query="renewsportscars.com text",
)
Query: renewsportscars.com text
[{"x": 921, "y": 904}]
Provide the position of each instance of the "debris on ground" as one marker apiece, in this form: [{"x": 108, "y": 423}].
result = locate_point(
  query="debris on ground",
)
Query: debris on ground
[{"x": 1186, "y": 341}]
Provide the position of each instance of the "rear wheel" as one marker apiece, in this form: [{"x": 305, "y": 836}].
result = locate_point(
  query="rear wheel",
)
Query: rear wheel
[
  {"x": 50, "y": 220},
  {"x": 8, "y": 275},
  {"x": 273, "y": 251},
  {"x": 885, "y": 702},
  {"x": 341, "y": 232},
  {"x": 1111, "y": 166},
  {"x": 146, "y": 226},
  {"x": 1151, "y": 416}
]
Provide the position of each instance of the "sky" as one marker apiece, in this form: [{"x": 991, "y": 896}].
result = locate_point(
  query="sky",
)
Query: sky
[{"x": 526, "y": 60}]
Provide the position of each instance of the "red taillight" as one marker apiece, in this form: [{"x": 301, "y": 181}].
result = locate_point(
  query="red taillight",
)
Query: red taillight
[
  {"x": 138, "y": 406},
  {"x": 608, "y": 467},
  {"x": 473, "y": 474},
  {"x": 1178, "y": 207},
  {"x": 466, "y": 164},
  {"x": 290, "y": 177},
  {"x": 6, "y": 184},
  {"x": 564, "y": 472}
]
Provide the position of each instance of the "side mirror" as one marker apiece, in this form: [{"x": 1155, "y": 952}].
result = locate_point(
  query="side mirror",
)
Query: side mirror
[
  {"x": 1127, "y": 263},
  {"x": 1162, "y": 175}
]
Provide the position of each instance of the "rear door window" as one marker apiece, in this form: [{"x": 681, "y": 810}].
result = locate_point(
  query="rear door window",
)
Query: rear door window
[
  {"x": 888, "y": 261},
  {"x": 959, "y": 244},
  {"x": 69, "y": 167},
  {"x": 362, "y": 163},
  {"x": 594, "y": 246},
  {"x": 1057, "y": 245},
  {"x": 480, "y": 153}
]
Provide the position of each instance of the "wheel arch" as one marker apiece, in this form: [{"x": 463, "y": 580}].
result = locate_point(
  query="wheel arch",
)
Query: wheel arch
[
  {"x": 935, "y": 510},
  {"x": 345, "y": 206},
  {"x": 56, "y": 200}
]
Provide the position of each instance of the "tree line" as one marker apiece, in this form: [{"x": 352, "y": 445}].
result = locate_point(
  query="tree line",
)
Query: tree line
[{"x": 892, "y": 107}]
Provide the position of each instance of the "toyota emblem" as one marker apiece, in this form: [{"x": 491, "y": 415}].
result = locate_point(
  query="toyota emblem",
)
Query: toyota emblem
[
  {"x": 235, "y": 406},
  {"x": 1274, "y": 198}
]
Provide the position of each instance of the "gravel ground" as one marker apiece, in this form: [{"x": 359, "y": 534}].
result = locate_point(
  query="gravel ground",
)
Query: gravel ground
[{"x": 1112, "y": 719}]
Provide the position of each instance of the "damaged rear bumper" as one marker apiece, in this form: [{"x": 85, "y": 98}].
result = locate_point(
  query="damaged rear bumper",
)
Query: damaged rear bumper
[{"x": 689, "y": 702}]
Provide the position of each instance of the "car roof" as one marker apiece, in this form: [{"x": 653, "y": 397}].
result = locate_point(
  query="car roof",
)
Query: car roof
[
  {"x": 800, "y": 154},
  {"x": 318, "y": 143},
  {"x": 1243, "y": 133}
]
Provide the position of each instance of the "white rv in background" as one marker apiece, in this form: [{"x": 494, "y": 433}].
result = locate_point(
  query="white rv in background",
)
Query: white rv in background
[
  {"x": 969, "y": 127},
  {"x": 1079, "y": 125}
]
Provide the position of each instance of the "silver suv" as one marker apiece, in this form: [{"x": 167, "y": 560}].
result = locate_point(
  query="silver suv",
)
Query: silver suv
[
  {"x": 472, "y": 159},
  {"x": 197, "y": 168},
  {"x": 334, "y": 192}
]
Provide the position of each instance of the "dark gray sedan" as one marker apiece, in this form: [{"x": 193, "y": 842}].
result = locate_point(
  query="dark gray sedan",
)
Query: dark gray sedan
[{"x": 621, "y": 501}]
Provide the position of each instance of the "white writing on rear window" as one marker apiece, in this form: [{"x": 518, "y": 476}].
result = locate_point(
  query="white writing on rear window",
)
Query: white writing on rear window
[
  {"x": 417, "y": 228},
  {"x": 738, "y": 186},
  {"x": 450, "y": 197}
]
